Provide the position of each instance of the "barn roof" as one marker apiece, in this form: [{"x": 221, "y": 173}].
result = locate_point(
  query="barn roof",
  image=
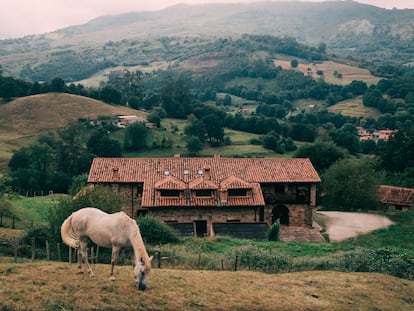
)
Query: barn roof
[{"x": 397, "y": 195}]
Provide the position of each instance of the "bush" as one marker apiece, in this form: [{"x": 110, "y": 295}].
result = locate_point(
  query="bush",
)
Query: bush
[
  {"x": 274, "y": 232},
  {"x": 258, "y": 259},
  {"x": 153, "y": 231}
]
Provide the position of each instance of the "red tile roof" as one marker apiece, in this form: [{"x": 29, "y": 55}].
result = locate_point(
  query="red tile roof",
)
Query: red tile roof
[
  {"x": 269, "y": 170},
  {"x": 397, "y": 195},
  {"x": 170, "y": 182}
]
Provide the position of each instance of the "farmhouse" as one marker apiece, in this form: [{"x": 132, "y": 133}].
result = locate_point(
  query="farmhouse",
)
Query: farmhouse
[
  {"x": 397, "y": 198},
  {"x": 213, "y": 196}
]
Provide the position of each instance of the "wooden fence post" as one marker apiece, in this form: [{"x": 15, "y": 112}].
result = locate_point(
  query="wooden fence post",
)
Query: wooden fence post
[
  {"x": 15, "y": 246},
  {"x": 33, "y": 249},
  {"x": 58, "y": 251},
  {"x": 97, "y": 254},
  {"x": 70, "y": 254},
  {"x": 236, "y": 262},
  {"x": 47, "y": 250},
  {"x": 92, "y": 253},
  {"x": 159, "y": 259}
]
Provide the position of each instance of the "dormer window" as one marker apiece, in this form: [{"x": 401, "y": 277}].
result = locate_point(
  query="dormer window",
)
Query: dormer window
[
  {"x": 170, "y": 193},
  {"x": 237, "y": 192},
  {"x": 203, "y": 193}
]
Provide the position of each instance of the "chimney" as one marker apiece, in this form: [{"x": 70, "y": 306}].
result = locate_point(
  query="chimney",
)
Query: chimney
[
  {"x": 115, "y": 174},
  {"x": 177, "y": 155},
  {"x": 207, "y": 172}
]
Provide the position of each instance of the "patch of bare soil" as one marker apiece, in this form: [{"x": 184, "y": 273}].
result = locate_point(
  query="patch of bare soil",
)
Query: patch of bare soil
[{"x": 342, "y": 225}]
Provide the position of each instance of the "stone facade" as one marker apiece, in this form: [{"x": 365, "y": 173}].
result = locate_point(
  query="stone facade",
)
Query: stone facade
[{"x": 205, "y": 191}]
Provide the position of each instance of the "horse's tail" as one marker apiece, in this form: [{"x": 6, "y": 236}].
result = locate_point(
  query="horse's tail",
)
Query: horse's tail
[{"x": 68, "y": 236}]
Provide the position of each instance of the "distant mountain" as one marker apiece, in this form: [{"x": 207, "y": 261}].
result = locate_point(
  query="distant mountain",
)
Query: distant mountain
[{"x": 348, "y": 28}]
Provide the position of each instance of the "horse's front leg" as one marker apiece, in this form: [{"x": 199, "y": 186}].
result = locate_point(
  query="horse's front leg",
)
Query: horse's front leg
[
  {"x": 115, "y": 252},
  {"x": 84, "y": 257}
]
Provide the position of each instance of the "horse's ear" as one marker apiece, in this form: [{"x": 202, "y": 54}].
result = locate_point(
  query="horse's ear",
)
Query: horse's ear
[{"x": 150, "y": 259}]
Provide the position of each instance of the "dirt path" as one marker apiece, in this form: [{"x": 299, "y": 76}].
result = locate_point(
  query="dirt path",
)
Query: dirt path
[{"x": 341, "y": 226}]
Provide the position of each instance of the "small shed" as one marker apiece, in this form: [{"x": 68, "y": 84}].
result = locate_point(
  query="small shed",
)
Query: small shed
[{"x": 397, "y": 198}]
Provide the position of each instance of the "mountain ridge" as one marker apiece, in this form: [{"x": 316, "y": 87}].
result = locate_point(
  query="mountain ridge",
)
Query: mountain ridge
[{"x": 349, "y": 30}]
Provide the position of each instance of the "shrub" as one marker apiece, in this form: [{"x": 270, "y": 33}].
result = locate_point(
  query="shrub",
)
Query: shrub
[
  {"x": 153, "y": 231},
  {"x": 274, "y": 232}
]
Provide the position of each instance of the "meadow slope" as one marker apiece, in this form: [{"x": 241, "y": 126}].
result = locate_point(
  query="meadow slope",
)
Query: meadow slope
[
  {"x": 42, "y": 285},
  {"x": 24, "y": 119}
]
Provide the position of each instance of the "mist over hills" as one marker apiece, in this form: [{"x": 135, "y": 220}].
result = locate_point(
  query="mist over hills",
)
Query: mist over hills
[{"x": 348, "y": 28}]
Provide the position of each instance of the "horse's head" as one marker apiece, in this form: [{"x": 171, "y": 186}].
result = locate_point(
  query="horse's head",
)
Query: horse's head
[{"x": 141, "y": 271}]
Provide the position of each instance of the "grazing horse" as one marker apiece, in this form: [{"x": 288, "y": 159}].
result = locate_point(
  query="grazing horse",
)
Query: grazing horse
[{"x": 116, "y": 231}]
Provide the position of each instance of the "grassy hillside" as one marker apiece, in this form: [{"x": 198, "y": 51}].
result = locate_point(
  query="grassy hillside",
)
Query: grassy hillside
[
  {"x": 354, "y": 108},
  {"x": 330, "y": 70},
  {"x": 55, "y": 286},
  {"x": 24, "y": 119}
]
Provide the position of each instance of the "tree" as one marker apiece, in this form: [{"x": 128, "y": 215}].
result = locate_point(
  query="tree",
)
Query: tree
[
  {"x": 398, "y": 153},
  {"x": 102, "y": 145},
  {"x": 72, "y": 157},
  {"x": 294, "y": 63},
  {"x": 196, "y": 128},
  {"x": 175, "y": 96},
  {"x": 110, "y": 95},
  {"x": 227, "y": 100},
  {"x": 351, "y": 185},
  {"x": 156, "y": 115},
  {"x": 347, "y": 137},
  {"x": 57, "y": 85},
  {"x": 321, "y": 154},
  {"x": 194, "y": 145},
  {"x": 214, "y": 127},
  {"x": 135, "y": 137}
]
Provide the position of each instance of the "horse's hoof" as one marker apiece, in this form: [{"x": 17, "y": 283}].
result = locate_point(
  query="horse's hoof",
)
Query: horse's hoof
[{"x": 111, "y": 278}]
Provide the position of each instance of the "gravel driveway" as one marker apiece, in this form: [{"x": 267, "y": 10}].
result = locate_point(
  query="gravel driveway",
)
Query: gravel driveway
[{"x": 341, "y": 225}]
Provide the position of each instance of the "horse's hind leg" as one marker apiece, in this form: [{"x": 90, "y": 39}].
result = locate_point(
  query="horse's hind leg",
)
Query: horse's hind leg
[{"x": 79, "y": 252}]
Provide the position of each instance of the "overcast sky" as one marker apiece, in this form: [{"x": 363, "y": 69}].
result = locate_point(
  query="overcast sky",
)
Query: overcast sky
[{"x": 24, "y": 17}]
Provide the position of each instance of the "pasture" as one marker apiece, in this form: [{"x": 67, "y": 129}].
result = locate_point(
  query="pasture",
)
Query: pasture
[
  {"x": 44, "y": 285},
  {"x": 330, "y": 70},
  {"x": 354, "y": 108}
]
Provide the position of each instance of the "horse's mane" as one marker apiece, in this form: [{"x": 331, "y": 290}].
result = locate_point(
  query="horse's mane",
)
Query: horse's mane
[{"x": 136, "y": 238}]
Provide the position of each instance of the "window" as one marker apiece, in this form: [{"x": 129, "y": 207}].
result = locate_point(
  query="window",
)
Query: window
[
  {"x": 237, "y": 192},
  {"x": 170, "y": 193},
  {"x": 279, "y": 188},
  {"x": 203, "y": 193}
]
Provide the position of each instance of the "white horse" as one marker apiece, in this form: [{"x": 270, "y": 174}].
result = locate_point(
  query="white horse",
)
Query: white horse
[{"x": 116, "y": 231}]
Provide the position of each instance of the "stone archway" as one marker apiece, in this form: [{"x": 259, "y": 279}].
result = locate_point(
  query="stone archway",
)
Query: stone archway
[{"x": 280, "y": 212}]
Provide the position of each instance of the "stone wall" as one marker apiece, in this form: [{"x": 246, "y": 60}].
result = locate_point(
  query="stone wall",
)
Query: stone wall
[{"x": 299, "y": 214}]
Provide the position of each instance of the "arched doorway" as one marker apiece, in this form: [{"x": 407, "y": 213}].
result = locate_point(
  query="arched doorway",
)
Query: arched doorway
[{"x": 281, "y": 212}]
